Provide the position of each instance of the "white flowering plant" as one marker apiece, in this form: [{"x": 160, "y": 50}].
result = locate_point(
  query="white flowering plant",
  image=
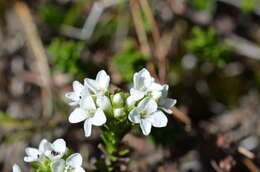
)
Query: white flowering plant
[
  {"x": 52, "y": 157},
  {"x": 116, "y": 112}
]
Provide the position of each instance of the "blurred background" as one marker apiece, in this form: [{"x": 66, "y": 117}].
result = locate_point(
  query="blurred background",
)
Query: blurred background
[{"x": 208, "y": 51}]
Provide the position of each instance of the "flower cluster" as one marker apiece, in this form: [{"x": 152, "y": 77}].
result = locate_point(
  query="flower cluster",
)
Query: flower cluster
[
  {"x": 145, "y": 105},
  {"x": 49, "y": 157}
]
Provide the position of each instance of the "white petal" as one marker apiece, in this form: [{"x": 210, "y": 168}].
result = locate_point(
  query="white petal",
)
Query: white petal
[
  {"x": 71, "y": 95},
  {"x": 155, "y": 87},
  {"x": 165, "y": 90},
  {"x": 103, "y": 79},
  {"x": 29, "y": 159},
  {"x": 59, "y": 145},
  {"x": 130, "y": 101},
  {"x": 74, "y": 160},
  {"x": 42, "y": 146},
  {"x": 16, "y": 168},
  {"x": 88, "y": 103},
  {"x": 91, "y": 84},
  {"x": 167, "y": 102},
  {"x": 73, "y": 103},
  {"x": 169, "y": 111},
  {"x": 159, "y": 119},
  {"x": 99, "y": 118},
  {"x": 87, "y": 127},
  {"x": 156, "y": 94},
  {"x": 77, "y": 86},
  {"x": 138, "y": 81},
  {"x": 134, "y": 116},
  {"x": 58, "y": 166},
  {"x": 145, "y": 126},
  {"x": 103, "y": 102},
  {"x": 136, "y": 94},
  {"x": 148, "y": 104},
  {"x": 77, "y": 116},
  {"x": 32, "y": 152},
  {"x": 79, "y": 169}
]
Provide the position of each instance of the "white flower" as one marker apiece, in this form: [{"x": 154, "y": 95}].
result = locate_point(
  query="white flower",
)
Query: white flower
[
  {"x": 147, "y": 115},
  {"x": 16, "y": 168},
  {"x": 143, "y": 84},
  {"x": 34, "y": 154},
  {"x": 78, "y": 92},
  {"x": 166, "y": 103},
  {"x": 88, "y": 112},
  {"x": 72, "y": 164},
  {"x": 103, "y": 102},
  {"x": 55, "y": 150},
  {"x": 100, "y": 85}
]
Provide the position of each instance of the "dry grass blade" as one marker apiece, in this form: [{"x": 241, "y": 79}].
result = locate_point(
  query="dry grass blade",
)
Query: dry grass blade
[
  {"x": 37, "y": 49},
  {"x": 139, "y": 27},
  {"x": 181, "y": 116},
  {"x": 160, "y": 54},
  {"x": 250, "y": 165}
]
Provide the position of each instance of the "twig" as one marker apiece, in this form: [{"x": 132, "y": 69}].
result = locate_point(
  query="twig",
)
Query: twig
[
  {"x": 246, "y": 152},
  {"x": 250, "y": 165},
  {"x": 139, "y": 27},
  {"x": 93, "y": 18},
  {"x": 160, "y": 54},
  {"x": 35, "y": 44},
  {"x": 243, "y": 46},
  {"x": 181, "y": 116}
]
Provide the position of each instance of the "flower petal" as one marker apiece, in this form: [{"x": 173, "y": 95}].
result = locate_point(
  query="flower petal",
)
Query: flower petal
[
  {"x": 99, "y": 118},
  {"x": 74, "y": 160},
  {"x": 88, "y": 103},
  {"x": 16, "y": 168},
  {"x": 77, "y": 116},
  {"x": 155, "y": 87},
  {"x": 103, "y": 102},
  {"x": 136, "y": 94},
  {"x": 148, "y": 105},
  {"x": 103, "y": 79},
  {"x": 58, "y": 166},
  {"x": 87, "y": 127},
  {"x": 146, "y": 126},
  {"x": 59, "y": 145},
  {"x": 77, "y": 86},
  {"x": 91, "y": 84},
  {"x": 71, "y": 96},
  {"x": 42, "y": 146},
  {"x": 79, "y": 169},
  {"x": 134, "y": 116},
  {"x": 138, "y": 81},
  {"x": 167, "y": 102},
  {"x": 159, "y": 119},
  {"x": 32, "y": 152}
]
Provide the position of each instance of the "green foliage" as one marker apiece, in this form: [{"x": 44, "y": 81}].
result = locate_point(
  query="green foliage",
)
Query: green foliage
[
  {"x": 75, "y": 12},
  {"x": 206, "y": 46},
  {"x": 248, "y": 5},
  {"x": 51, "y": 15},
  {"x": 66, "y": 55},
  {"x": 12, "y": 123},
  {"x": 128, "y": 61},
  {"x": 206, "y": 5}
]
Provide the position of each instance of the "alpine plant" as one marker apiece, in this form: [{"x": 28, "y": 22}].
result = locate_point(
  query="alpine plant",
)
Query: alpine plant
[
  {"x": 51, "y": 157},
  {"x": 145, "y": 104}
]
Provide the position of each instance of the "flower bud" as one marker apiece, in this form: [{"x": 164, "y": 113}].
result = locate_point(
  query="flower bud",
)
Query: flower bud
[
  {"x": 118, "y": 112},
  {"x": 118, "y": 99}
]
